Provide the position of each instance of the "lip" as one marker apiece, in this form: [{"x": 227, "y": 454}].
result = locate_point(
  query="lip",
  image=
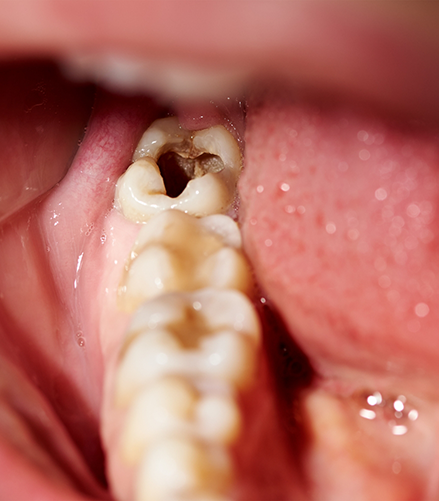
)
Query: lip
[{"x": 381, "y": 52}]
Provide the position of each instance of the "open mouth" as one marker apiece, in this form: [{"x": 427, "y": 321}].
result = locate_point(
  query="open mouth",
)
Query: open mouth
[{"x": 337, "y": 210}]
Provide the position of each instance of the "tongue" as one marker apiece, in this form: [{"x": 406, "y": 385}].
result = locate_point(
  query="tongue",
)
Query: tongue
[{"x": 339, "y": 213}]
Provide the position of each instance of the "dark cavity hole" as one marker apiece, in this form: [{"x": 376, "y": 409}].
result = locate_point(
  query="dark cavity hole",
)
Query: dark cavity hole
[{"x": 178, "y": 171}]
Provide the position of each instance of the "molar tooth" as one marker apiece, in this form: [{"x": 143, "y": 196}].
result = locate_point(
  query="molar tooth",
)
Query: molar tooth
[
  {"x": 223, "y": 356},
  {"x": 228, "y": 357},
  {"x": 141, "y": 192},
  {"x": 179, "y": 467},
  {"x": 173, "y": 407},
  {"x": 207, "y": 333},
  {"x": 161, "y": 261},
  {"x": 145, "y": 359},
  {"x": 161, "y": 136},
  {"x": 218, "y": 418},
  {"x": 163, "y": 408},
  {"x": 213, "y": 309}
]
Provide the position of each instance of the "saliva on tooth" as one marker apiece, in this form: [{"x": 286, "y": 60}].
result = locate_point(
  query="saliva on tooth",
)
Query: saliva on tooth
[{"x": 193, "y": 339}]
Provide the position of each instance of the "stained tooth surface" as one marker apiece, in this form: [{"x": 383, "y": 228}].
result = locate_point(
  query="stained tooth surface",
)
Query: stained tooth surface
[
  {"x": 161, "y": 261},
  {"x": 210, "y": 159}
]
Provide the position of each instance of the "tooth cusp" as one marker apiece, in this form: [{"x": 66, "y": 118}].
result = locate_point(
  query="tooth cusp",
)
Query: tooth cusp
[
  {"x": 181, "y": 467},
  {"x": 171, "y": 406},
  {"x": 162, "y": 262},
  {"x": 210, "y": 158}
]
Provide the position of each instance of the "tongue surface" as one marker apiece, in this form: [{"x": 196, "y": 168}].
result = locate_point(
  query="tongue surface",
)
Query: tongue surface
[{"x": 339, "y": 215}]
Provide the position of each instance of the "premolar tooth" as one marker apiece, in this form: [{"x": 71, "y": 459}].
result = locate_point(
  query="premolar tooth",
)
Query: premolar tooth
[
  {"x": 181, "y": 467},
  {"x": 141, "y": 192},
  {"x": 161, "y": 261}
]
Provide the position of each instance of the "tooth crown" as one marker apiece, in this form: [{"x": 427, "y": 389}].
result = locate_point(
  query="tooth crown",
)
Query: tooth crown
[
  {"x": 141, "y": 191},
  {"x": 175, "y": 251},
  {"x": 193, "y": 339}
]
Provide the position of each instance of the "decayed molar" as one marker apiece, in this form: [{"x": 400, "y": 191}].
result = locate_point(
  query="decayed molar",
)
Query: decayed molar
[
  {"x": 206, "y": 164},
  {"x": 161, "y": 260},
  {"x": 208, "y": 335}
]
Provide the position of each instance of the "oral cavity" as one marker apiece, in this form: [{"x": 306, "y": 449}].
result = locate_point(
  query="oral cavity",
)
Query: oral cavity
[{"x": 192, "y": 344}]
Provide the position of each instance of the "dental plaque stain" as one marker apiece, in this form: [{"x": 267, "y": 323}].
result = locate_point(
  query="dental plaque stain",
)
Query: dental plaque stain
[{"x": 177, "y": 171}]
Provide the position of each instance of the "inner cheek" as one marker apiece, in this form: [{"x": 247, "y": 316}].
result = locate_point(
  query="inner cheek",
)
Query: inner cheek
[{"x": 339, "y": 220}]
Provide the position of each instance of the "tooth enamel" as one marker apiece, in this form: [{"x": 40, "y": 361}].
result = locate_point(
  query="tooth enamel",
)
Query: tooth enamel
[
  {"x": 228, "y": 357},
  {"x": 181, "y": 467},
  {"x": 161, "y": 261},
  {"x": 172, "y": 406},
  {"x": 145, "y": 359},
  {"x": 224, "y": 356},
  {"x": 219, "y": 419},
  {"x": 163, "y": 135},
  {"x": 141, "y": 192},
  {"x": 163, "y": 408},
  {"x": 215, "y": 310}
]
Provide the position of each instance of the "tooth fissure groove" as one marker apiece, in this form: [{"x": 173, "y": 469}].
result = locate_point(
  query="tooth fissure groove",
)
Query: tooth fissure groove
[{"x": 194, "y": 335}]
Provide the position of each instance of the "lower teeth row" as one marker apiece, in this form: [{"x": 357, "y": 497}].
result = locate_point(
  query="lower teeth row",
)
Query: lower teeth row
[{"x": 193, "y": 340}]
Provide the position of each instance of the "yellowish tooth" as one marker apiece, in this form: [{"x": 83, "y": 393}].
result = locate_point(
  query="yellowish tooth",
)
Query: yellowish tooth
[
  {"x": 228, "y": 357},
  {"x": 161, "y": 136},
  {"x": 141, "y": 192},
  {"x": 154, "y": 271},
  {"x": 161, "y": 261},
  {"x": 173, "y": 407},
  {"x": 226, "y": 269},
  {"x": 207, "y": 334},
  {"x": 147, "y": 358},
  {"x": 219, "y": 419},
  {"x": 164, "y": 408},
  {"x": 204, "y": 310},
  {"x": 225, "y": 356},
  {"x": 179, "y": 467}
]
